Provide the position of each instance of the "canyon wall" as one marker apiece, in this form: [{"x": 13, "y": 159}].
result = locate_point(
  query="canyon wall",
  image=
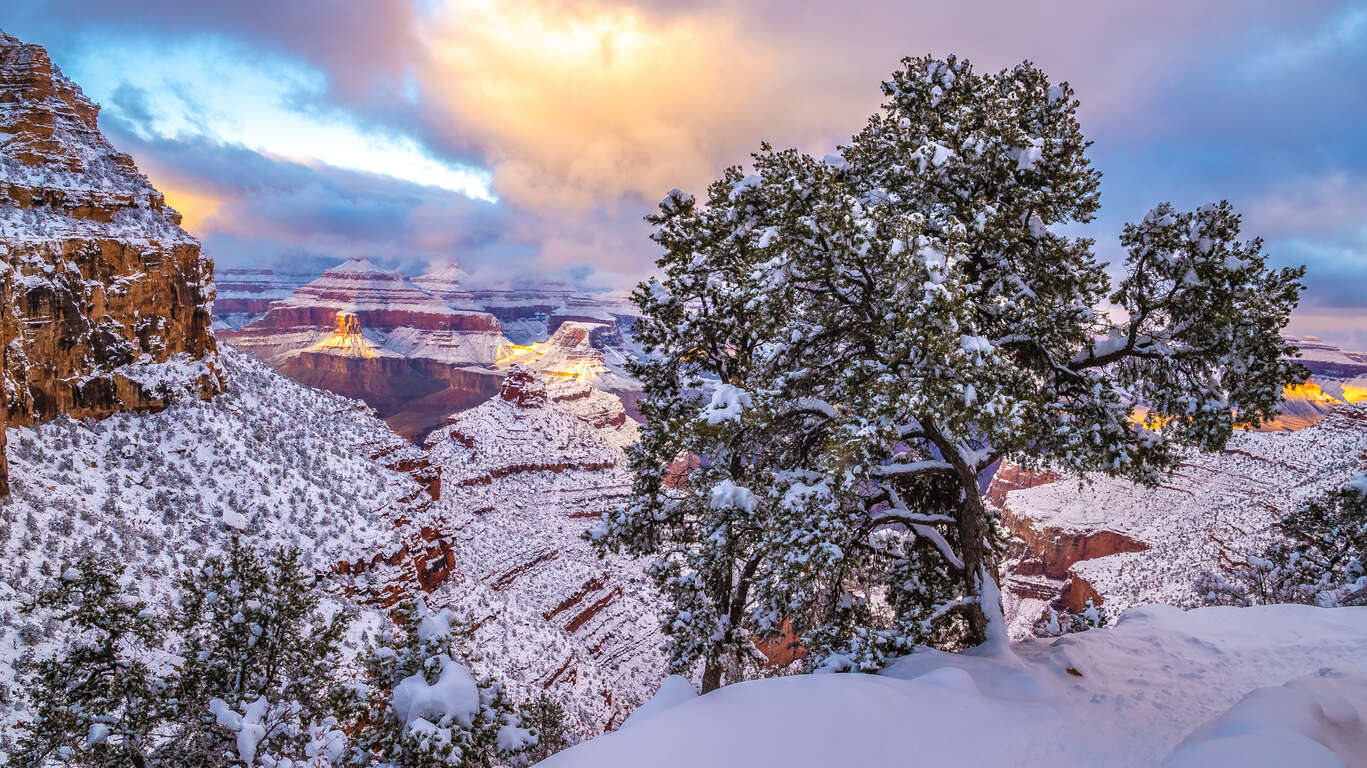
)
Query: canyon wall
[{"x": 106, "y": 299}]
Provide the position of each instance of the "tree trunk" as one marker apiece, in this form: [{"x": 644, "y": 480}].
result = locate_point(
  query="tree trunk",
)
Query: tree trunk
[
  {"x": 978, "y": 560},
  {"x": 711, "y": 675}
]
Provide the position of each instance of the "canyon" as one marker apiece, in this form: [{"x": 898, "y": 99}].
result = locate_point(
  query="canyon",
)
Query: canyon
[
  {"x": 138, "y": 438},
  {"x": 1119, "y": 544},
  {"x": 419, "y": 349}
]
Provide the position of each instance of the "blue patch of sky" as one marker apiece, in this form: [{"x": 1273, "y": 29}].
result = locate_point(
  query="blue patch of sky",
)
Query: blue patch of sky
[{"x": 214, "y": 88}]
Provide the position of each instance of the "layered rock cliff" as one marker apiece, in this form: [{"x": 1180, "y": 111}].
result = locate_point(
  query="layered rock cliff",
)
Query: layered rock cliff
[
  {"x": 106, "y": 299},
  {"x": 244, "y": 295},
  {"x": 522, "y": 479},
  {"x": 372, "y": 334}
]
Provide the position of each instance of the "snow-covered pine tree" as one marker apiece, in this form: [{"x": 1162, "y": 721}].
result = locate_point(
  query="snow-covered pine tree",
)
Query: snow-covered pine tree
[
  {"x": 420, "y": 707},
  {"x": 259, "y": 677},
  {"x": 95, "y": 702},
  {"x": 879, "y": 328},
  {"x": 545, "y": 718}
]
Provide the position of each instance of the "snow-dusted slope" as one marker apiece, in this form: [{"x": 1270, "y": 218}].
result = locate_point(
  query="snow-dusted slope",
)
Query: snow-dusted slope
[
  {"x": 1119, "y": 697},
  {"x": 1219, "y": 504},
  {"x": 522, "y": 479},
  {"x": 273, "y": 460},
  {"x": 446, "y": 282}
]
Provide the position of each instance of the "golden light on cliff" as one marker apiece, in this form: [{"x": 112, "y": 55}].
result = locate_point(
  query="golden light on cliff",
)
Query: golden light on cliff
[
  {"x": 530, "y": 355},
  {"x": 1143, "y": 417},
  {"x": 518, "y": 354},
  {"x": 1308, "y": 391},
  {"x": 579, "y": 369},
  {"x": 1354, "y": 394},
  {"x": 346, "y": 339}
]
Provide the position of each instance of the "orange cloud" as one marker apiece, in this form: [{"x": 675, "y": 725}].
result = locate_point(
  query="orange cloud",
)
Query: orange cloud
[
  {"x": 578, "y": 105},
  {"x": 195, "y": 207}
]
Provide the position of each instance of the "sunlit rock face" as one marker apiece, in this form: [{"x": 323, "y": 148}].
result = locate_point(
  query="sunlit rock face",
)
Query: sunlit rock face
[
  {"x": 1122, "y": 544},
  {"x": 1337, "y": 377},
  {"x": 574, "y": 362},
  {"x": 108, "y": 300},
  {"x": 405, "y": 319},
  {"x": 372, "y": 334}
]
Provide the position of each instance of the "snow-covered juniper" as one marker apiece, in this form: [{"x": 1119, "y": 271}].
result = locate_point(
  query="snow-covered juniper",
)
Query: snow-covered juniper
[{"x": 877, "y": 329}]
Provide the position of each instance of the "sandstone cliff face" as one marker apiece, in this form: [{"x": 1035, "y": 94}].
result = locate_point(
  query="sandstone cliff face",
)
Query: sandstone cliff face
[
  {"x": 107, "y": 298},
  {"x": 372, "y": 334}
]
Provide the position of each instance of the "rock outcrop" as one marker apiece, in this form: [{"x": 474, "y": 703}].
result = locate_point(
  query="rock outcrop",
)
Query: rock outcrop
[
  {"x": 371, "y": 334},
  {"x": 106, "y": 299},
  {"x": 402, "y": 317},
  {"x": 1122, "y": 544}
]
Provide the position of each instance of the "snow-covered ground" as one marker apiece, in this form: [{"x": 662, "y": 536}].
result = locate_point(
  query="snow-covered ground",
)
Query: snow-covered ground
[{"x": 1273, "y": 685}]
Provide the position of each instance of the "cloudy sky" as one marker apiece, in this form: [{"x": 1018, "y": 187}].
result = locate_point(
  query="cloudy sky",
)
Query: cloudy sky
[{"x": 530, "y": 137}]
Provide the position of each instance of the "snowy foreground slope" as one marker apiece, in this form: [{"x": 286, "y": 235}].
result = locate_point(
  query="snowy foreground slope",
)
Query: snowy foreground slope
[
  {"x": 1274, "y": 686},
  {"x": 278, "y": 462}
]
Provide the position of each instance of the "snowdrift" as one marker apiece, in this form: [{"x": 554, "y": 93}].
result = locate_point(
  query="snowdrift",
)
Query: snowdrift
[{"x": 1136, "y": 694}]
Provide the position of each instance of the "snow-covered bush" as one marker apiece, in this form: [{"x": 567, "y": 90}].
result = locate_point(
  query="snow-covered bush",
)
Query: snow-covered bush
[
  {"x": 419, "y": 706},
  {"x": 244, "y": 673},
  {"x": 1322, "y": 559},
  {"x": 259, "y": 676},
  {"x": 878, "y": 328},
  {"x": 96, "y": 702}
]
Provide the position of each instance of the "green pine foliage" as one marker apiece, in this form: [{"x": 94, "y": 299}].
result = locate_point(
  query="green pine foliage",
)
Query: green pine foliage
[
  {"x": 242, "y": 673},
  {"x": 420, "y": 707},
  {"x": 258, "y": 654},
  {"x": 839, "y": 348},
  {"x": 96, "y": 703},
  {"x": 545, "y": 718}
]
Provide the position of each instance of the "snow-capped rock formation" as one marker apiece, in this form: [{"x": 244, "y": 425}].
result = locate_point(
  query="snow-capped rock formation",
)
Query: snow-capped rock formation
[
  {"x": 531, "y": 310},
  {"x": 522, "y": 479},
  {"x": 447, "y": 282},
  {"x": 106, "y": 300},
  {"x": 1329, "y": 361},
  {"x": 1336, "y": 377},
  {"x": 402, "y": 350},
  {"x": 401, "y": 317},
  {"x": 583, "y": 361},
  {"x": 1123, "y": 544},
  {"x": 244, "y": 295}
]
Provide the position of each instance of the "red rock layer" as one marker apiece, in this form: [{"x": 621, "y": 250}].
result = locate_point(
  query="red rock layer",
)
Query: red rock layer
[{"x": 108, "y": 299}]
